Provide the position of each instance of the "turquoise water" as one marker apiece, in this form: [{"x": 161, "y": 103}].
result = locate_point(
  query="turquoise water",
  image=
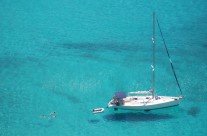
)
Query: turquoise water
[{"x": 70, "y": 56}]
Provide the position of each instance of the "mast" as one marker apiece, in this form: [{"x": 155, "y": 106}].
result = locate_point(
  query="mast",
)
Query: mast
[{"x": 153, "y": 56}]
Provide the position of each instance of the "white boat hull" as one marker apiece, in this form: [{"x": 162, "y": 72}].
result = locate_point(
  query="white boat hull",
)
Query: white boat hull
[{"x": 146, "y": 103}]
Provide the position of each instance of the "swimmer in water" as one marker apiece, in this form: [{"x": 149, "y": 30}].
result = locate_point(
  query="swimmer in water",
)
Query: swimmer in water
[
  {"x": 49, "y": 117},
  {"x": 52, "y": 113},
  {"x": 42, "y": 116}
]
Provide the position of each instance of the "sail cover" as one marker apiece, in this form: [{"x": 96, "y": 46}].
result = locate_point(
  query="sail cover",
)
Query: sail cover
[{"x": 120, "y": 95}]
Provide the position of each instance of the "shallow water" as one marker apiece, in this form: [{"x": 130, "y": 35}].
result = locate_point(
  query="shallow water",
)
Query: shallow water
[{"x": 71, "y": 56}]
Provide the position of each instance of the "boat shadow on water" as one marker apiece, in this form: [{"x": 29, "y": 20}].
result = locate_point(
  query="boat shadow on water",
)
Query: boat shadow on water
[{"x": 136, "y": 117}]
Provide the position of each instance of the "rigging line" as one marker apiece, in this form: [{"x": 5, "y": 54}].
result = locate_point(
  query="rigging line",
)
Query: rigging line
[{"x": 169, "y": 57}]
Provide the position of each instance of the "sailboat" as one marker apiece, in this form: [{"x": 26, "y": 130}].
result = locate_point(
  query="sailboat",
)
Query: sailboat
[{"x": 146, "y": 100}]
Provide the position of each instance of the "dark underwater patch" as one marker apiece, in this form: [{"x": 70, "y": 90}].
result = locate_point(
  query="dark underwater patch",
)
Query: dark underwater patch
[
  {"x": 80, "y": 46},
  {"x": 14, "y": 62},
  {"x": 69, "y": 97},
  {"x": 92, "y": 51},
  {"x": 44, "y": 124},
  {"x": 135, "y": 117},
  {"x": 11, "y": 62},
  {"x": 72, "y": 98},
  {"x": 193, "y": 111},
  {"x": 100, "y": 47},
  {"x": 94, "y": 121}
]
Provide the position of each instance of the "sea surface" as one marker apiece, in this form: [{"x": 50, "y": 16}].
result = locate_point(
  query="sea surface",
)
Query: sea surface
[{"x": 70, "y": 56}]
